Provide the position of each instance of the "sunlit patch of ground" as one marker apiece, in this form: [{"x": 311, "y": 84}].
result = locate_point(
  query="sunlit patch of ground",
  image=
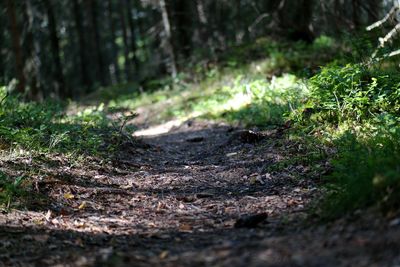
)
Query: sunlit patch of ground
[{"x": 158, "y": 129}]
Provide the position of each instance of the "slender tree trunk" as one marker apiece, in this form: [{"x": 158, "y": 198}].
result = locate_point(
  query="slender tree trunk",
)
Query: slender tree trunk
[
  {"x": 101, "y": 74},
  {"x": 126, "y": 43},
  {"x": 32, "y": 60},
  {"x": 337, "y": 11},
  {"x": 168, "y": 38},
  {"x": 16, "y": 45},
  {"x": 183, "y": 24},
  {"x": 115, "y": 66},
  {"x": 140, "y": 22},
  {"x": 303, "y": 21},
  {"x": 203, "y": 21},
  {"x": 355, "y": 4},
  {"x": 85, "y": 78},
  {"x": 132, "y": 34},
  {"x": 55, "y": 49}
]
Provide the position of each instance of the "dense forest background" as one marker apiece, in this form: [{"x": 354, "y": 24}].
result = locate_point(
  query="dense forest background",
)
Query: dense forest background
[
  {"x": 67, "y": 49},
  {"x": 199, "y": 133}
]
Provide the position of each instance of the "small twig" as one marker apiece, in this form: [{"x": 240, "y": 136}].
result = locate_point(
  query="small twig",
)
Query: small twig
[{"x": 257, "y": 21}]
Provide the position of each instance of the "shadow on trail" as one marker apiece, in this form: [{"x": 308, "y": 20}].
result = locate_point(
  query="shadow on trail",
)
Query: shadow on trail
[{"x": 172, "y": 205}]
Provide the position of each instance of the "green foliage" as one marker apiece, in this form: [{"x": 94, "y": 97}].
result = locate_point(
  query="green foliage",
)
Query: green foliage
[
  {"x": 366, "y": 172},
  {"x": 10, "y": 188},
  {"x": 262, "y": 103},
  {"x": 278, "y": 57},
  {"x": 45, "y": 128},
  {"x": 253, "y": 84},
  {"x": 353, "y": 92},
  {"x": 357, "y": 109}
]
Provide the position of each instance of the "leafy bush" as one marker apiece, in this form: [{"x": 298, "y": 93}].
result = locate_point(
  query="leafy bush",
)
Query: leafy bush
[
  {"x": 354, "y": 92},
  {"x": 358, "y": 109},
  {"x": 366, "y": 172},
  {"x": 44, "y": 127}
]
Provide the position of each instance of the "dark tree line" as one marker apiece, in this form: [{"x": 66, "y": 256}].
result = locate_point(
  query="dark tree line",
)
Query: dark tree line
[{"x": 66, "y": 48}]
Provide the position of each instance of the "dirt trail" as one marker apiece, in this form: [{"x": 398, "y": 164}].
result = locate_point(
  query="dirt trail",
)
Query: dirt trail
[{"x": 176, "y": 204}]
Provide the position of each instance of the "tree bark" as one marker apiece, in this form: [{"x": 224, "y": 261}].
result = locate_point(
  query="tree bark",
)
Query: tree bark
[
  {"x": 32, "y": 60},
  {"x": 203, "y": 21},
  {"x": 85, "y": 78},
  {"x": 183, "y": 25},
  {"x": 55, "y": 49},
  {"x": 303, "y": 29},
  {"x": 115, "y": 65},
  {"x": 126, "y": 42},
  {"x": 16, "y": 45},
  {"x": 101, "y": 74},
  {"x": 132, "y": 34},
  {"x": 355, "y": 4},
  {"x": 168, "y": 38}
]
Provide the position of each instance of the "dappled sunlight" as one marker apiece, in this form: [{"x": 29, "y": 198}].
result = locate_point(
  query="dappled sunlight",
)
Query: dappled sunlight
[
  {"x": 199, "y": 133},
  {"x": 158, "y": 129}
]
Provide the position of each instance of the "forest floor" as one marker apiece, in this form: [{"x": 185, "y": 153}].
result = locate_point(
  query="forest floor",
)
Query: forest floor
[{"x": 195, "y": 194}]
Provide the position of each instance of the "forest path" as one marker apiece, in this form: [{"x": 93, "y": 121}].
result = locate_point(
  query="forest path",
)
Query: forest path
[{"x": 177, "y": 203}]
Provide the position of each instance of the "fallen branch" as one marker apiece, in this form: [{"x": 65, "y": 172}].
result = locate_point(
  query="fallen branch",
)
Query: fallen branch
[
  {"x": 388, "y": 16},
  {"x": 388, "y": 38}
]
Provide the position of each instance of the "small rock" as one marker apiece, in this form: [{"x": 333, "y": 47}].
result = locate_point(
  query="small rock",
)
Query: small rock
[
  {"x": 251, "y": 221},
  {"x": 394, "y": 222},
  {"x": 204, "y": 195},
  {"x": 195, "y": 139}
]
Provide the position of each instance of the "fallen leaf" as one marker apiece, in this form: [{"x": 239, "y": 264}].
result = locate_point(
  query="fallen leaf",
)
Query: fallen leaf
[
  {"x": 82, "y": 205},
  {"x": 69, "y": 196},
  {"x": 164, "y": 254},
  {"x": 185, "y": 227}
]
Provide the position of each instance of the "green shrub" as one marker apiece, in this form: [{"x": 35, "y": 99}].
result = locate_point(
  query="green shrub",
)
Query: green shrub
[
  {"x": 45, "y": 128},
  {"x": 366, "y": 173},
  {"x": 10, "y": 188},
  {"x": 365, "y": 101},
  {"x": 354, "y": 92}
]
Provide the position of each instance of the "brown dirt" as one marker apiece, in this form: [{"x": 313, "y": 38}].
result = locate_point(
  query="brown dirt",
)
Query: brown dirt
[{"x": 176, "y": 204}]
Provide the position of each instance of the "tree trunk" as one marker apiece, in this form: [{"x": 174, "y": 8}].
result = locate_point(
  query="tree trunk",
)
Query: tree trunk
[
  {"x": 203, "y": 21},
  {"x": 303, "y": 29},
  {"x": 126, "y": 43},
  {"x": 85, "y": 79},
  {"x": 355, "y": 4},
  {"x": 55, "y": 50},
  {"x": 183, "y": 26},
  {"x": 101, "y": 74},
  {"x": 132, "y": 34},
  {"x": 114, "y": 47},
  {"x": 16, "y": 45},
  {"x": 32, "y": 60},
  {"x": 168, "y": 38}
]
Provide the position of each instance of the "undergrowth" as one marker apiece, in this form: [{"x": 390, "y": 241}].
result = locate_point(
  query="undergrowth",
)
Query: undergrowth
[
  {"x": 254, "y": 84},
  {"x": 46, "y": 128},
  {"x": 31, "y": 130},
  {"x": 356, "y": 108},
  {"x": 352, "y": 108},
  {"x": 10, "y": 189}
]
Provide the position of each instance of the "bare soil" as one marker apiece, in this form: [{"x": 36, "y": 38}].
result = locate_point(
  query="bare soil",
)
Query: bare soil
[{"x": 177, "y": 201}]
